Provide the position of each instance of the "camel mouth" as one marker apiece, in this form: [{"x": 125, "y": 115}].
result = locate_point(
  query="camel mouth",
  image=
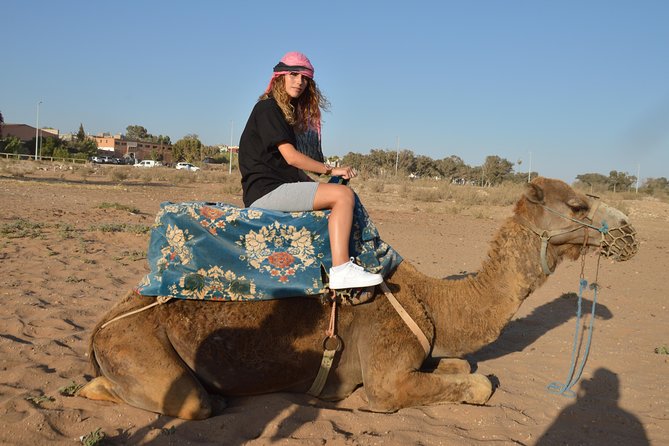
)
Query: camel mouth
[{"x": 620, "y": 244}]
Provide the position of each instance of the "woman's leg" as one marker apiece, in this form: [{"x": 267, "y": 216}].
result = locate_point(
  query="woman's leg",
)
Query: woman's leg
[{"x": 340, "y": 200}]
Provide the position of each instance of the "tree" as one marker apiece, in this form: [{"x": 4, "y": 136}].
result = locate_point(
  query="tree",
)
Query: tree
[
  {"x": 426, "y": 167},
  {"x": 405, "y": 161},
  {"x": 187, "y": 149},
  {"x": 596, "y": 182},
  {"x": 81, "y": 134},
  {"x": 452, "y": 167},
  {"x": 654, "y": 185},
  {"x": 61, "y": 152},
  {"x": 50, "y": 146},
  {"x": 355, "y": 160},
  {"x": 2, "y": 122},
  {"x": 87, "y": 147},
  {"x": 15, "y": 145},
  {"x": 161, "y": 139},
  {"x": 496, "y": 170},
  {"x": 620, "y": 180},
  {"x": 136, "y": 133},
  {"x": 208, "y": 152}
]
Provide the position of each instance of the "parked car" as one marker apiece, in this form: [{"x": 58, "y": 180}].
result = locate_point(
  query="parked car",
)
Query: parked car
[
  {"x": 148, "y": 163},
  {"x": 187, "y": 166},
  {"x": 97, "y": 160}
]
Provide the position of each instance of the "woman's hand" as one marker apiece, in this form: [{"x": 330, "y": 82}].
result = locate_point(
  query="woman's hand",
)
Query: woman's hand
[{"x": 345, "y": 172}]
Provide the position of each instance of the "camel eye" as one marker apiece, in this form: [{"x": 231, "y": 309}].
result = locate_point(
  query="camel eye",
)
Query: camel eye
[{"x": 577, "y": 205}]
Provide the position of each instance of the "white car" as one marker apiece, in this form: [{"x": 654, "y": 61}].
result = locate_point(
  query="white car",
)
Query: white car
[
  {"x": 187, "y": 166},
  {"x": 148, "y": 163}
]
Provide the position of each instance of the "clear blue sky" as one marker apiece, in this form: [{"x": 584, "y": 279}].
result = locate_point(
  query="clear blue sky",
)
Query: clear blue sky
[{"x": 582, "y": 85}]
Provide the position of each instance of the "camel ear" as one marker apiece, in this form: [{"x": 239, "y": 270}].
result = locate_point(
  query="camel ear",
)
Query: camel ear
[{"x": 534, "y": 193}]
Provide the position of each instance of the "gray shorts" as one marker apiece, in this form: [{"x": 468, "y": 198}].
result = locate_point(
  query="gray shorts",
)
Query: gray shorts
[{"x": 289, "y": 197}]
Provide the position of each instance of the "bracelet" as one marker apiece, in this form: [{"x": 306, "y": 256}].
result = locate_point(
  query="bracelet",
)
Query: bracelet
[{"x": 328, "y": 169}]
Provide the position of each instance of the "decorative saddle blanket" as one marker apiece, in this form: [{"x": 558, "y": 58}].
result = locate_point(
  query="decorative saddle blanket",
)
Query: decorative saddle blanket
[{"x": 216, "y": 251}]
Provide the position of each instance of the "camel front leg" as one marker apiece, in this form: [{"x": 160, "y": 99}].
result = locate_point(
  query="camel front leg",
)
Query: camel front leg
[
  {"x": 414, "y": 388},
  {"x": 453, "y": 366}
]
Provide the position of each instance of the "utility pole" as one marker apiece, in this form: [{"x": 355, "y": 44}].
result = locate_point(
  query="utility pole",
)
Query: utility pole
[
  {"x": 232, "y": 125},
  {"x": 529, "y": 169},
  {"x": 638, "y": 172},
  {"x": 397, "y": 155},
  {"x": 37, "y": 132}
]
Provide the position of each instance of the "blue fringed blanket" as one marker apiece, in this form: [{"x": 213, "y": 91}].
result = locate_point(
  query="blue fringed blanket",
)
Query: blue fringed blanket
[{"x": 216, "y": 251}]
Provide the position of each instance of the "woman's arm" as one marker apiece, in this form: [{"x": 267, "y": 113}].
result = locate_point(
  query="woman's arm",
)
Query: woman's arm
[{"x": 297, "y": 159}]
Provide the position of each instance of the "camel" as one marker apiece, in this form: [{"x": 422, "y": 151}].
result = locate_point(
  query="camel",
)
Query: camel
[{"x": 174, "y": 358}]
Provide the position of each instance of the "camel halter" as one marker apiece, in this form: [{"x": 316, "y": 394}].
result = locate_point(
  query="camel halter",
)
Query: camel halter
[
  {"x": 614, "y": 242},
  {"x": 546, "y": 235}
]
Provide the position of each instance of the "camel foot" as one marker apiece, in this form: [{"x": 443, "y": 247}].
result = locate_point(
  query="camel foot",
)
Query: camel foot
[
  {"x": 479, "y": 390},
  {"x": 422, "y": 389},
  {"x": 453, "y": 366},
  {"x": 100, "y": 389}
]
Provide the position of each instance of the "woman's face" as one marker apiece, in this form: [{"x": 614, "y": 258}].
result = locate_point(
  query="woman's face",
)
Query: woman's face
[{"x": 295, "y": 84}]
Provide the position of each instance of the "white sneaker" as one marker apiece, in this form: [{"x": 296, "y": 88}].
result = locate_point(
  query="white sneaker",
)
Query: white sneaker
[{"x": 350, "y": 275}]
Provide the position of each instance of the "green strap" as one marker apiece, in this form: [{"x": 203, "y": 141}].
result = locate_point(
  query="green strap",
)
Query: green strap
[{"x": 326, "y": 365}]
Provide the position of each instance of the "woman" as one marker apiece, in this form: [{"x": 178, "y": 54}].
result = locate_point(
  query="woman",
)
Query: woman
[{"x": 273, "y": 168}]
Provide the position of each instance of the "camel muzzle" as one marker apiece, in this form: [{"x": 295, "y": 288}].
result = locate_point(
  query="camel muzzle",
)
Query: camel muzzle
[{"x": 619, "y": 243}]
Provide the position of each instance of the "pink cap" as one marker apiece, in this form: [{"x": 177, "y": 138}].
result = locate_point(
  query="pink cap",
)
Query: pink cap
[{"x": 292, "y": 62}]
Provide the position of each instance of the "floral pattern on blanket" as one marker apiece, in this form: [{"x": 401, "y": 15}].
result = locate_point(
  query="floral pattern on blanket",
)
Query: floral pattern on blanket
[{"x": 216, "y": 251}]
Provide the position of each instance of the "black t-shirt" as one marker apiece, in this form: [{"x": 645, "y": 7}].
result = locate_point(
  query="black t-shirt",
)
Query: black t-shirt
[{"x": 262, "y": 166}]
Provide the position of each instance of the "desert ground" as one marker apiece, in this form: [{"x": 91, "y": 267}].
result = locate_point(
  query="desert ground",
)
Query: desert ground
[{"x": 74, "y": 240}]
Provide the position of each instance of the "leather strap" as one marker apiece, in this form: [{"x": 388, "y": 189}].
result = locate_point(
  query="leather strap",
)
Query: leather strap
[{"x": 424, "y": 342}]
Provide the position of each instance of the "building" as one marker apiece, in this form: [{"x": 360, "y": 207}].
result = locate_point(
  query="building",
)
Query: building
[
  {"x": 26, "y": 132},
  {"x": 118, "y": 147}
]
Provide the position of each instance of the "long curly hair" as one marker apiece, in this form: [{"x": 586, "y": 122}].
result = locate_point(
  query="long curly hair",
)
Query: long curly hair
[{"x": 304, "y": 112}]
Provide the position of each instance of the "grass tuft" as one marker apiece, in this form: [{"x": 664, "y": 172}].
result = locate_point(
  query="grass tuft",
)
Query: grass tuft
[
  {"x": 119, "y": 207},
  {"x": 93, "y": 438},
  {"x": 21, "y": 228},
  {"x": 38, "y": 400},
  {"x": 71, "y": 389},
  {"x": 121, "y": 227}
]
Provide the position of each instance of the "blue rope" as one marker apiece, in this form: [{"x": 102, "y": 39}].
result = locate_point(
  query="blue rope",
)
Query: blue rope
[{"x": 572, "y": 379}]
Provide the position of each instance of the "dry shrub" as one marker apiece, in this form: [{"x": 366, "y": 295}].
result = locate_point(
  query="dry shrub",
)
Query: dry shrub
[
  {"x": 120, "y": 174},
  {"x": 183, "y": 177},
  {"x": 376, "y": 186},
  {"x": 430, "y": 195},
  {"x": 17, "y": 169},
  {"x": 232, "y": 189}
]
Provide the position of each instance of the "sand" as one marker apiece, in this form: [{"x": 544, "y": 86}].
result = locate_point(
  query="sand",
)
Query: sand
[{"x": 63, "y": 273}]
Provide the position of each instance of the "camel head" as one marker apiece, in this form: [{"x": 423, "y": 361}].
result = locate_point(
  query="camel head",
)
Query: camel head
[{"x": 568, "y": 221}]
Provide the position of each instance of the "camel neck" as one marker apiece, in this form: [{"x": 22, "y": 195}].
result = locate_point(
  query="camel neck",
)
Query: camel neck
[{"x": 479, "y": 306}]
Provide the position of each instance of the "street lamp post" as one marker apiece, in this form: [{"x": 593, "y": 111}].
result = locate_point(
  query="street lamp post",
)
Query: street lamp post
[
  {"x": 37, "y": 131},
  {"x": 232, "y": 124}
]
